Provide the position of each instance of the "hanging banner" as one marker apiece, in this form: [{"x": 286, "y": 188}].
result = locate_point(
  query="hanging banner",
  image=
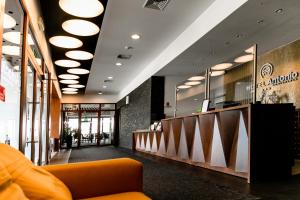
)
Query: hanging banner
[{"x": 2, "y": 93}]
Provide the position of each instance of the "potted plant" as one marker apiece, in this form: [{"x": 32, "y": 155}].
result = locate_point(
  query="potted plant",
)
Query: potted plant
[{"x": 68, "y": 137}]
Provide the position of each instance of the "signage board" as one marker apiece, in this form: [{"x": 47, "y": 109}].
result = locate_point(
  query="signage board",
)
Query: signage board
[{"x": 2, "y": 93}]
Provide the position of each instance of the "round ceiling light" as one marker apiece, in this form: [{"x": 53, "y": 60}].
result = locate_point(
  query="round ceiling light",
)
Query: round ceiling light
[
  {"x": 76, "y": 86},
  {"x": 68, "y": 76},
  {"x": 11, "y": 50},
  {"x": 250, "y": 50},
  {"x": 65, "y": 42},
  {"x": 70, "y": 89},
  {"x": 82, "y": 8},
  {"x": 79, "y": 55},
  {"x": 69, "y": 92},
  {"x": 15, "y": 37},
  {"x": 222, "y": 66},
  {"x": 184, "y": 86},
  {"x": 67, "y": 63},
  {"x": 193, "y": 83},
  {"x": 8, "y": 21},
  {"x": 243, "y": 59},
  {"x": 196, "y": 78},
  {"x": 217, "y": 73},
  {"x": 69, "y": 81},
  {"x": 80, "y": 27},
  {"x": 78, "y": 71},
  {"x": 135, "y": 36}
]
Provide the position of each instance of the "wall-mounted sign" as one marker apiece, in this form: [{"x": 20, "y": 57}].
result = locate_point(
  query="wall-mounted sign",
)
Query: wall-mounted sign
[
  {"x": 2, "y": 93},
  {"x": 266, "y": 71}
]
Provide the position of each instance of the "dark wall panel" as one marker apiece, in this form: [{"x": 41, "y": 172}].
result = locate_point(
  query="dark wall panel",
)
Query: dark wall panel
[{"x": 136, "y": 115}]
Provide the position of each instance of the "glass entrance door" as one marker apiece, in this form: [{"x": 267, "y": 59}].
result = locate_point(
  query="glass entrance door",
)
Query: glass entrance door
[{"x": 89, "y": 128}]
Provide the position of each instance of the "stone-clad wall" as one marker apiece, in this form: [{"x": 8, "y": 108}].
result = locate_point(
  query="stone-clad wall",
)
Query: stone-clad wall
[{"x": 136, "y": 115}]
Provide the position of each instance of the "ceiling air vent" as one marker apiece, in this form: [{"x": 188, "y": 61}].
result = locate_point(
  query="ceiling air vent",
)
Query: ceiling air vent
[
  {"x": 124, "y": 56},
  {"x": 156, "y": 4},
  {"x": 108, "y": 81}
]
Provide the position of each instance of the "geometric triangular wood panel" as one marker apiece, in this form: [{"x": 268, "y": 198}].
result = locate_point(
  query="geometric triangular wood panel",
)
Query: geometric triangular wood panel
[
  {"x": 142, "y": 142},
  {"x": 154, "y": 144},
  {"x": 197, "y": 152},
  {"x": 148, "y": 146},
  {"x": 182, "y": 149},
  {"x": 217, "y": 152},
  {"x": 137, "y": 143},
  {"x": 171, "y": 151},
  {"x": 242, "y": 147},
  {"x": 162, "y": 146}
]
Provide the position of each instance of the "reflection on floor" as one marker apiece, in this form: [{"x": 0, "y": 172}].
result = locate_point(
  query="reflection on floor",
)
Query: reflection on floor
[{"x": 61, "y": 157}]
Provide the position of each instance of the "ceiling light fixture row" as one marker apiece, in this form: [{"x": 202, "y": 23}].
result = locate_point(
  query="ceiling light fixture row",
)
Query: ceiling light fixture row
[
  {"x": 219, "y": 69},
  {"x": 76, "y": 27}
]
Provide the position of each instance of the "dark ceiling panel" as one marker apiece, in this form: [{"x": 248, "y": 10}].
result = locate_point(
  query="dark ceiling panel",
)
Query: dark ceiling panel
[{"x": 54, "y": 16}]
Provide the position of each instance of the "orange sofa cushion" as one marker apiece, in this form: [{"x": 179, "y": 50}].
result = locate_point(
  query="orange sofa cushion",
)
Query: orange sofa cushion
[
  {"x": 122, "y": 196},
  {"x": 8, "y": 189},
  {"x": 35, "y": 182}
]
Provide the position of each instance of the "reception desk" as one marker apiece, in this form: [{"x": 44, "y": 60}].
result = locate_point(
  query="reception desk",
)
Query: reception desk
[{"x": 250, "y": 141}]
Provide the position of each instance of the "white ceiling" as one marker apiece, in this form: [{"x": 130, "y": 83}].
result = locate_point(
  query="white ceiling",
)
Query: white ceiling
[
  {"x": 157, "y": 29},
  {"x": 160, "y": 30},
  {"x": 222, "y": 43}
]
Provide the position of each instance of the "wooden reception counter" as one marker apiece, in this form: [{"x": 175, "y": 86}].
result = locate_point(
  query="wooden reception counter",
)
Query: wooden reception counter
[{"x": 250, "y": 141}]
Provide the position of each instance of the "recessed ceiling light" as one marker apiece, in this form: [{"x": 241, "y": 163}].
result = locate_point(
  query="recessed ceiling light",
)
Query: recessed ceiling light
[
  {"x": 69, "y": 81},
  {"x": 217, "y": 73},
  {"x": 70, "y": 89},
  {"x": 76, "y": 86},
  {"x": 243, "y": 59},
  {"x": 119, "y": 64},
  {"x": 110, "y": 77},
  {"x": 192, "y": 83},
  {"x": 278, "y": 11},
  {"x": 100, "y": 93},
  {"x": 221, "y": 66},
  {"x": 104, "y": 86},
  {"x": 11, "y": 50},
  {"x": 8, "y": 21},
  {"x": 79, "y": 55},
  {"x": 68, "y": 76},
  {"x": 196, "y": 78},
  {"x": 15, "y": 37},
  {"x": 250, "y": 50},
  {"x": 184, "y": 86},
  {"x": 67, "y": 63},
  {"x": 78, "y": 71},
  {"x": 65, "y": 42},
  {"x": 196, "y": 99},
  {"x": 135, "y": 36},
  {"x": 69, "y": 92},
  {"x": 82, "y": 8},
  {"x": 80, "y": 27}
]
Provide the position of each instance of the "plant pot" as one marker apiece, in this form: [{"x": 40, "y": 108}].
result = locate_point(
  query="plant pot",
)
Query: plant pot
[{"x": 69, "y": 141}]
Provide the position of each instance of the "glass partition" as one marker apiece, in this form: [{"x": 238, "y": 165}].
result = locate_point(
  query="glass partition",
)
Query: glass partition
[
  {"x": 10, "y": 73},
  {"x": 231, "y": 81},
  {"x": 44, "y": 118},
  {"x": 190, "y": 95},
  {"x": 29, "y": 112},
  {"x": 107, "y": 126},
  {"x": 225, "y": 84}
]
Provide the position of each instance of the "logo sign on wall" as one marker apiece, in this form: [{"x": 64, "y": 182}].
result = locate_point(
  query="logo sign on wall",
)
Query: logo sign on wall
[
  {"x": 267, "y": 70},
  {"x": 2, "y": 93}
]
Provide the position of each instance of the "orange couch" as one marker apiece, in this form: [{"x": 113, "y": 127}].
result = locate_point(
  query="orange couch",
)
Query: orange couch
[{"x": 116, "y": 179}]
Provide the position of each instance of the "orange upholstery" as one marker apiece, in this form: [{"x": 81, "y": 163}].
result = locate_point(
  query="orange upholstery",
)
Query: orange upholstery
[
  {"x": 104, "y": 180},
  {"x": 35, "y": 182},
  {"x": 8, "y": 189},
  {"x": 122, "y": 196},
  {"x": 98, "y": 178}
]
